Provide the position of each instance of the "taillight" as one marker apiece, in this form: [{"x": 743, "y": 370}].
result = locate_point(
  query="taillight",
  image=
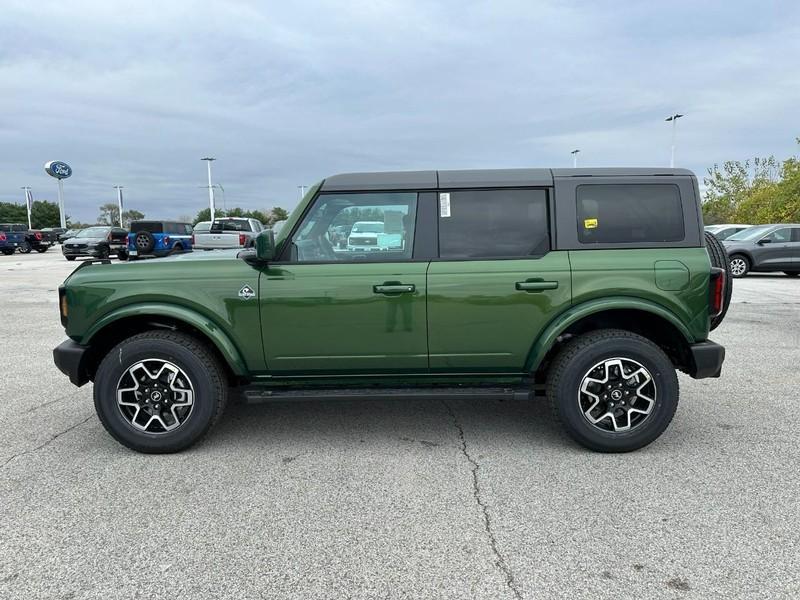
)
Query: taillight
[
  {"x": 242, "y": 239},
  {"x": 2, "y": 237},
  {"x": 108, "y": 237},
  {"x": 38, "y": 235},
  {"x": 62, "y": 305},
  {"x": 716, "y": 292}
]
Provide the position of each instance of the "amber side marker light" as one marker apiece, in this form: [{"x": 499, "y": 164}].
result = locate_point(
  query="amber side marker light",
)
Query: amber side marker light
[{"x": 62, "y": 305}]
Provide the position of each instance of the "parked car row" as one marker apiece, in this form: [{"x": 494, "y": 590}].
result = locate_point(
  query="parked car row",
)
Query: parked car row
[
  {"x": 17, "y": 237},
  {"x": 161, "y": 238}
]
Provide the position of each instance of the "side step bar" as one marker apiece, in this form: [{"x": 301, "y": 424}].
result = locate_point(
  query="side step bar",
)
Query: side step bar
[{"x": 256, "y": 395}]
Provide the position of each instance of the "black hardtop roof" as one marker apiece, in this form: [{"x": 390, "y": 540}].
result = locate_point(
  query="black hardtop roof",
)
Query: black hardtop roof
[{"x": 477, "y": 178}]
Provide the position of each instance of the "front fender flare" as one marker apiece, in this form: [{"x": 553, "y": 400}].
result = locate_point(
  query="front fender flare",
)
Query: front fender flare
[
  {"x": 202, "y": 323},
  {"x": 575, "y": 313}
]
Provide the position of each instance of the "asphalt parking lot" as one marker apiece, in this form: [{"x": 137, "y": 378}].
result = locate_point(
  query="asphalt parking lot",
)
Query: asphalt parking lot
[{"x": 402, "y": 499}]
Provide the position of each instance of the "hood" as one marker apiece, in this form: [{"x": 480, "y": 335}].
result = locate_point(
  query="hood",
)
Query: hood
[{"x": 188, "y": 266}]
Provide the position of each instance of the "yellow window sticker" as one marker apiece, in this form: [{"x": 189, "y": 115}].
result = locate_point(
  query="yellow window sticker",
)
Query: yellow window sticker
[{"x": 590, "y": 223}]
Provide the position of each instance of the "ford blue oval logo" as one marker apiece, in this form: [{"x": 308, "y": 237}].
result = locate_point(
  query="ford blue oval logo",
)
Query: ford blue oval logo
[{"x": 58, "y": 169}]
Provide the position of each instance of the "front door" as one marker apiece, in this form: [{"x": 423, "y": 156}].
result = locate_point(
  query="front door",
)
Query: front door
[
  {"x": 348, "y": 298},
  {"x": 496, "y": 283},
  {"x": 777, "y": 253}
]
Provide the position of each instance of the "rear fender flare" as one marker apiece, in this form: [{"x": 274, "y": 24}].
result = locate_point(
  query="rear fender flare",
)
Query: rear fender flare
[{"x": 557, "y": 326}]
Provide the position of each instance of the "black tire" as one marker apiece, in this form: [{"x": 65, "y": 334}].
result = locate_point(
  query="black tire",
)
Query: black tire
[
  {"x": 739, "y": 265},
  {"x": 719, "y": 258},
  {"x": 42, "y": 249},
  {"x": 103, "y": 252},
  {"x": 8, "y": 251},
  {"x": 201, "y": 368},
  {"x": 25, "y": 247},
  {"x": 792, "y": 273},
  {"x": 176, "y": 249},
  {"x": 144, "y": 242},
  {"x": 70, "y": 258},
  {"x": 575, "y": 362},
  {"x": 122, "y": 254}
]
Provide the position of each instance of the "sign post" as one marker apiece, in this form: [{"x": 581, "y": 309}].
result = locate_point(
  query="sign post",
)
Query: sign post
[
  {"x": 59, "y": 170},
  {"x": 28, "y": 203}
]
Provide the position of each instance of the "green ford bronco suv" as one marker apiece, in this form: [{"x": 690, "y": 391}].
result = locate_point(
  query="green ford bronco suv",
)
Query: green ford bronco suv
[{"x": 592, "y": 286}]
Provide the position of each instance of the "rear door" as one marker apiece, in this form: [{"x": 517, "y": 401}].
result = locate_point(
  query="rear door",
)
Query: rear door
[{"x": 496, "y": 282}]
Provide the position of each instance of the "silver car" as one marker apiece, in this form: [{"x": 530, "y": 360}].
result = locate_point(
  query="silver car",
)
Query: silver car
[
  {"x": 765, "y": 248},
  {"x": 725, "y": 230}
]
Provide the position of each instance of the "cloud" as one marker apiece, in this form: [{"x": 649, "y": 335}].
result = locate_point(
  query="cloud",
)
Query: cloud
[{"x": 284, "y": 94}]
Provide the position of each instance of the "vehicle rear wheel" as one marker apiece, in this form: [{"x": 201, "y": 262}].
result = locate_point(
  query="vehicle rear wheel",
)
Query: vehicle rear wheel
[
  {"x": 160, "y": 391},
  {"x": 176, "y": 249},
  {"x": 740, "y": 266},
  {"x": 8, "y": 251},
  {"x": 122, "y": 254},
  {"x": 792, "y": 273},
  {"x": 102, "y": 252},
  {"x": 613, "y": 390},
  {"x": 719, "y": 258},
  {"x": 25, "y": 247}
]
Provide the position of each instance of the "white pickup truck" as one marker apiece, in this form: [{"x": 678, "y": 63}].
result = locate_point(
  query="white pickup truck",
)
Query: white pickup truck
[{"x": 226, "y": 232}]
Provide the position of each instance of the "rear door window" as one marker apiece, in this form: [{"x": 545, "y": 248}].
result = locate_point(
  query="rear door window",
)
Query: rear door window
[
  {"x": 151, "y": 226},
  {"x": 629, "y": 213},
  {"x": 475, "y": 224}
]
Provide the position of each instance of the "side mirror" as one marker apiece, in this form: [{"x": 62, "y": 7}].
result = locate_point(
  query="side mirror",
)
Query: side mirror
[
  {"x": 265, "y": 246},
  {"x": 763, "y": 241}
]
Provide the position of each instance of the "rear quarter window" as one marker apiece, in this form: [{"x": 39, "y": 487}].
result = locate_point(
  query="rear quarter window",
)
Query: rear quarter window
[
  {"x": 151, "y": 226},
  {"x": 629, "y": 213}
]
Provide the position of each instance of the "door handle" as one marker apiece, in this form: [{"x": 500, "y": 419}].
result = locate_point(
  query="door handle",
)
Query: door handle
[
  {"x": 535, "y": 286},
  {"x": 394, "y": 288}
]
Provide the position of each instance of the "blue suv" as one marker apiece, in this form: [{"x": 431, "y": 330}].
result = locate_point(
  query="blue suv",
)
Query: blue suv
[{"x": 159, "y": 238}]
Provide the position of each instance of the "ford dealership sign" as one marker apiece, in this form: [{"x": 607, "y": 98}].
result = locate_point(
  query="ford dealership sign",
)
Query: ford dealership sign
[{"x": 58, "y": 169}]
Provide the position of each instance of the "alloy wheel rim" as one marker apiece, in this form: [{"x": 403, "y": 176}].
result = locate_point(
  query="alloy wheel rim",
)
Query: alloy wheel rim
[
  {"x": 155, "y": 396},
  {"x": 738, "y": 266},
  {"x": 617, "y": 395}
]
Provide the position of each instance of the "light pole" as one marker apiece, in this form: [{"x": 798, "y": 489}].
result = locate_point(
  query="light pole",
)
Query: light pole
[
  {"x": 224, "y": 203},
  {"x": 302, "y": 189},
  {"x": 119, "y": 203},
  {"x": 575, "y": 158},
  {"x": 28, "y": 202},
  {"x": 673, "y": 118},
  {"x": 208, "y": 160}
]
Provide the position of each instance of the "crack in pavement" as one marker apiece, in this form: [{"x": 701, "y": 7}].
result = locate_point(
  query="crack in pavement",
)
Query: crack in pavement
[
  {"x": 47, "y": 443},
  {"x": 500, "y": 561}
]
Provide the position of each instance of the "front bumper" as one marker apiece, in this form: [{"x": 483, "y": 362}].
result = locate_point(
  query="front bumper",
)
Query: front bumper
[
  {"x": 706, "y": 359},
  {"x": 70, "y": 358}
]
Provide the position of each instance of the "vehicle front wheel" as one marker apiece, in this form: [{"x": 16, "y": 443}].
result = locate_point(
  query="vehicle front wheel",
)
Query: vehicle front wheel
[
  {"x": 70, "y": 258},
  {"x": 613, "y": 390},
  {"x": 792, "y": 273},
  {"x": 739, "y": 265},
  {"x": 25, "y": 247},
  {"x": 160, "y": 391},
  {"x": 42, "y": 249}
]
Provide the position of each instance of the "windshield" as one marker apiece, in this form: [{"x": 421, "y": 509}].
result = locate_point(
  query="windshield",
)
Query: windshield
[
  {"x": 752, "y": 233},
  {"x": 92, "y": 232},
  {"x": 372, "y": 227}
]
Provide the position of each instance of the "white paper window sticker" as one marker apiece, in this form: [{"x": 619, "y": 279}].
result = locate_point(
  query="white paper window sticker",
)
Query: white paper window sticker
[{"x": 444, "y": 204}]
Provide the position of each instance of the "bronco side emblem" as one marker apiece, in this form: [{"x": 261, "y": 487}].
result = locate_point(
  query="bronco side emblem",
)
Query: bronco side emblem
[{"x": 246, "y": 292}]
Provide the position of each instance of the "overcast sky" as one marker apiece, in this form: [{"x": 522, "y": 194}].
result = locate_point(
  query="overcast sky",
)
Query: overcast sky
[{"x": 285, "y": 93}]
